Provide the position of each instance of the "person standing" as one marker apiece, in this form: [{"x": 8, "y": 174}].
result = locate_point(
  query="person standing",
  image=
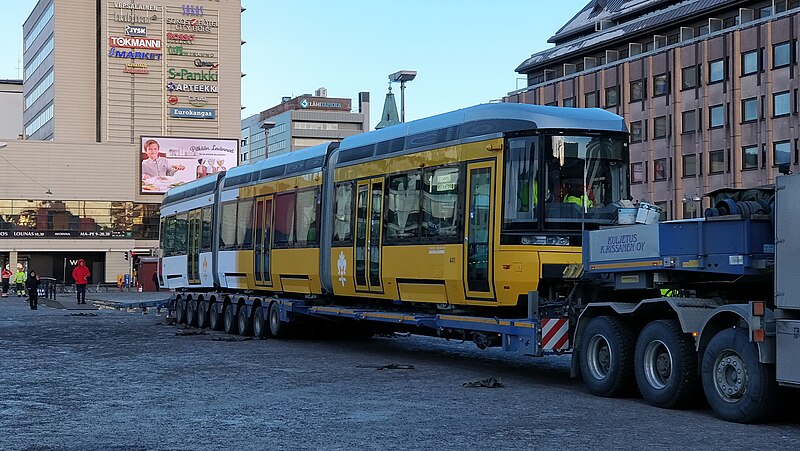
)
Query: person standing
[
  {"x": 32, "y": 283},
  {"x": 155, "y": 165},
  {"x": 19, "y": 280},
  {"x": 81, "y": 275},
  {"x": 6, "y": 277}
]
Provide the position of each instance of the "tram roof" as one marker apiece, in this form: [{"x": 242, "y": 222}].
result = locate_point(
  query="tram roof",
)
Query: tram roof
[
  {"x": 484, "y": 119},
  {"x": 192, "y": 188},
  {"x": 297, "y": 162}
]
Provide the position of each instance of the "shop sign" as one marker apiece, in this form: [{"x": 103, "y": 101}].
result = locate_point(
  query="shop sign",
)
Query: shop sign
[
  {"x": 134, "y": 55},
  {"x": 186, "y": 74},
  {"x": 172, "y": 100},
  {"x": 191, "y": 88},
  {"x": 133, "y": 18},
  {"x": 193, "y": 113},
  {"x": 136, "y": 68},
  {"x": 62, "y": 234},
  {"x": 180, "y": 37},
  {"x": 135, "y": 6},
  {"x": 191, "y": 10},
  {"x": 210, "y": 64},
  {"x": 135, "y": 30},
  {"x": 135, "y": 43},
  {"x": 193, "y": 25},
  {"x": 305, "y": 103},
  {"x": 179, "y": 50},
  {"x": 198, "y": 101}
]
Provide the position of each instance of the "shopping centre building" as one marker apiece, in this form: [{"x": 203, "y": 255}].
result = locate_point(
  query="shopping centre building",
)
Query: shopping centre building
[
  {"x": 709, "y": 89},
  {"x": 101, "y": 80}
]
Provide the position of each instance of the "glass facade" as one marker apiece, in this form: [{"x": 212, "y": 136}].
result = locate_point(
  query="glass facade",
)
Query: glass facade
[{"x": 66, "y": 218}]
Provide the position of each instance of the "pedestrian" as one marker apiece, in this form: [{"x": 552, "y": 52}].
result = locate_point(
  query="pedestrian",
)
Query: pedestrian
[
  {"x": 19, "y": 280},
  {"x": 32, "y": 283},
  {"x": 81, "y": 275},
  {"x": 155, "y": 281},
  {"x": 6, "y": 277}
]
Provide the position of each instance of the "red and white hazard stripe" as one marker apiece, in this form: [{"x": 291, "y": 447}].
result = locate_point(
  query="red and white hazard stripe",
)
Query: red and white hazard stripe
[{"x": 555, "y": 333}]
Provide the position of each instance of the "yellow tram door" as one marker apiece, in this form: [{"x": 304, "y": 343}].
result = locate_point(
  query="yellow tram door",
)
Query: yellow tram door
[
  {"x": 479, "y": 231},
  {"x": 193, "y": 252},
  {"x": 262, "y": 241},
  {"x": 369, "y": 226}
]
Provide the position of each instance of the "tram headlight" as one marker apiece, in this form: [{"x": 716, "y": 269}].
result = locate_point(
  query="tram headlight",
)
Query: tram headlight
[{"x": 542, "y": 240}]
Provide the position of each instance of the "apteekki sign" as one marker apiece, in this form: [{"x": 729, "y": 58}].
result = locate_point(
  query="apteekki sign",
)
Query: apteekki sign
[{"x": 186, "y": 74}]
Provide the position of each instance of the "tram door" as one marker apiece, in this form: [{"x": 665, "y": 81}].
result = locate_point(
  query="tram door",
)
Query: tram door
[
  {"x": 262, "y": 241},
  {"x": 369, "y": 223},
  {"x": 193, "y": 252},
  {"x": 479, "y": 230}
]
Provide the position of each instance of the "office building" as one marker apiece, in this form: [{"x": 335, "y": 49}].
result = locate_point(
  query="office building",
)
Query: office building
[
  {"x": 10, "y": 109},
  {"x": 709, "y": 89}
]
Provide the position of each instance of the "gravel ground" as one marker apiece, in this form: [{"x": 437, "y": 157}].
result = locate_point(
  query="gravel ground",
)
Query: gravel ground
[{"x": 119, "y": 380}]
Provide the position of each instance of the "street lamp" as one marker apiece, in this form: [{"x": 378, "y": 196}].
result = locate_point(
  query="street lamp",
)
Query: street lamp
[
  {"x": 267, "y": 126},
  {"x": 402, "y": 76}
]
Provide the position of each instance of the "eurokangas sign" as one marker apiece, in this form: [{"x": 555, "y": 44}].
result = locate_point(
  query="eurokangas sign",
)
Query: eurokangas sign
[
  {"x": 135, "y": 43},
  {"x": 186, "y": 74}
]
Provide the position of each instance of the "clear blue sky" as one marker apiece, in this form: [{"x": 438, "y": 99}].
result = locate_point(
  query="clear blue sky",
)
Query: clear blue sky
[{"x": 464, "y": 51}]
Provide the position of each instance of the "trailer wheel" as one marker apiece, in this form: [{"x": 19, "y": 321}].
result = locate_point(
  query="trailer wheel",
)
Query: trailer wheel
[
  {"x": 277, "y": 328},
  {"x": 214, "y": 317},
  {"x": 229, "y": 319},
  {"x": 180, "y": 311},
  {"x": 191, "y": 313},
  {"x": 202, "y": 315},
  {"x": 666, "y": 365},
  {"x": 606, "y": 356},
  {"x": 260, "y": 328},
  {"x": 245, "y": 326},
  {"x": 738, "y": 387}
]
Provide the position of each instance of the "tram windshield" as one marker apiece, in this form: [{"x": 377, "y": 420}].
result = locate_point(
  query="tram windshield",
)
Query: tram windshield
[{"x": 584, "y": 178}]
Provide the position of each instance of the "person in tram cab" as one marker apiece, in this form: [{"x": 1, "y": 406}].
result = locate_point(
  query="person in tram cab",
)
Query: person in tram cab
[
  {"x": 155, "y": 165},
  {"x": 576, "y": 195}
]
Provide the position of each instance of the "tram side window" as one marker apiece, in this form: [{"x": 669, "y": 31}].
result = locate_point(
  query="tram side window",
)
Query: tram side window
[
  {"x": 343, "y": 222},
  {"x": 205, "y": 241},
  {"x": 284, "y": 219},
  {"x": 168, "y": 235},
  {"x": 244, "y": 224},
  {"x": 402, "y": 206},
  {"x": 307, "y": 220},
  {"x": 440, "y": 203},
  {"x": 181, "y": 233},
  {"x": 227, "y": 232},
  {"x": 521, "y": 187}
]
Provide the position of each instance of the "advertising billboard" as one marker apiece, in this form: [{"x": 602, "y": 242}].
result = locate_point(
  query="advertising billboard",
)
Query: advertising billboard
[{"x": 168, "y": 161}]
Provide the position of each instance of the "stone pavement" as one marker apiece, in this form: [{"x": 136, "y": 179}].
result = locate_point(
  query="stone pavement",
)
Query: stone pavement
[{"x": 116, "y": 299}]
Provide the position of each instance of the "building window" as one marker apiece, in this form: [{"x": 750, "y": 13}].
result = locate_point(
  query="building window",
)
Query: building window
[
  {"x": 750, "y": 109},
  {"x": 660, "y": 85},
  {"x": 689, "y": 166},
  {"x": 660, "y": 169},
  {"x": 612, "y": 96},
  {"x": 750, "y": 157},
  {"x": 716, "y": 161},
  {"x": 689, "y": 120},
  {"x": 637, "y": 172},
  {"x": 43, "y": 118},
  {"x": 716, "y": 71},
  {"x": 570, "y": 102},
  {"x": 660, "y": 127},
  {"x": 781, "y": 104},
  {"x": 636, "y": 132},
  {"x": 781, "y": 55},
  {"x": 782, "y": 152},
  {"x": 553, "y": 103},
  {"x": 716, "y": 116},
  {"x": 591, "y": 99},
  {"x": 637, "y": 91},
  {"x": 750, "y": 63},
  {"x": 689, "y": 77}
]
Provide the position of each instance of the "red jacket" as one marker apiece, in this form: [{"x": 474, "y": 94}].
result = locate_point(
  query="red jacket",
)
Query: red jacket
[{"x": 81, "y": 273}]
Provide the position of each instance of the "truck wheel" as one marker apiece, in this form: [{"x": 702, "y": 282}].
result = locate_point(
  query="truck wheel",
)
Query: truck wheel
[
  {"x": 202, "y": 315},
  {"x": 738, "y": 387},
  {"x": 260, "y": 327},
  {"x": 214, "y": 317},
  {"x": 277, "y": 328},
  {"x": 191, "y": 313},
  {"x": 666, "y": 365},
  {"x": 180, "y": 311},
  {"x": 245, "y": 327},
  {"x": 229, "y": 319},
  {"x": 606, "y": 356}
]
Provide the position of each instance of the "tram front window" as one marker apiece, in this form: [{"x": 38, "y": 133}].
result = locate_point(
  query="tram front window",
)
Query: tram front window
[{"x": 587, "y": 176}]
